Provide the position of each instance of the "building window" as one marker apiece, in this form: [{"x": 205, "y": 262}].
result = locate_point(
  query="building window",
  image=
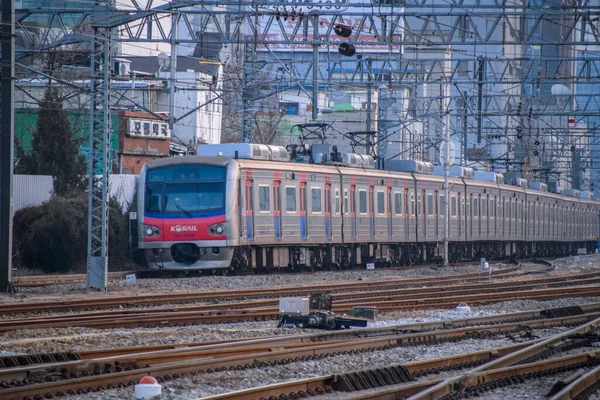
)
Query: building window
[
  {"x": 264, "y": 203},
  {"x": 290, "y": 199},
  {"x": 288, "y": 108}
]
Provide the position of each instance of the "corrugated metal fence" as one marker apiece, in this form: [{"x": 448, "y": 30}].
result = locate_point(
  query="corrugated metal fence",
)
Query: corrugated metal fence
[{"x": 33, "y": 190}]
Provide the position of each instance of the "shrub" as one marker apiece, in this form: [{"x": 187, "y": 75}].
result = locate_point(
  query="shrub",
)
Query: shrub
[{"x": 53, "y": 236}]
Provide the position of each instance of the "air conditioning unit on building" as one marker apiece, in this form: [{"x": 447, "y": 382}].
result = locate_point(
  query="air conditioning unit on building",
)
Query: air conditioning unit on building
[
  {"x": 122, "y": 67},
  {"x": 135, "y": 127},
  {"x": 146, "y": 128},
  {"x": 165, "y": 131},
  {"x": 155, "y": 129}
]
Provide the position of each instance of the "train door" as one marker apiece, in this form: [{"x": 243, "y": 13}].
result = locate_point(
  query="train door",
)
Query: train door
[
  {"x": 389, "y": 213},
  {"x": 353, "y": 209},
  {"x": 303, "y": 217},
  {"x": 406, "y": 215},
  {"x": 436, "y": 214},
  {"x": 424, "y": 212},
  {"x": 460, "y": 221},
  {"x": 277, "y": 208},
  {"x": 328, "y": 233},
  {"x": 249, "y": 208},
  {"x": 470, "y": 215},
  {"x": 372, "y": 211}
]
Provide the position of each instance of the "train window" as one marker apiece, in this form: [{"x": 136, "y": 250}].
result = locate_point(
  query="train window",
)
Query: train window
[
  {"x": 316, "y": 200},
  {"x": 398, "y": 203},
  {"x": 476, "y": 207},
  {"x": 362, "y": 201},
  {"x": 346, "y": 201},
  {"x": 453, "y": 206},
  {"x": 153, "y": 196},
  {"x": 380, "y": 203},
  {"x": 429, "y": 204},
  {"x": 264, "y": 203},
  {"x": 290, "y": 199},
  {"x": 484, "y": 207},
  {"x": 337, "y": 201},
  {"x": 442, "y": 205},
  {"x": 412, "y": 204}
]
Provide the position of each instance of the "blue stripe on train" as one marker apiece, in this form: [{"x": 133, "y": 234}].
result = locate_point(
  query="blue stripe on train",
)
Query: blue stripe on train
[
  {"x": 249, "y": 226},
  {"x": 327, "y": 228},
  {"x": 303, "y": 227},
  {"x": 277, "y": 227}
]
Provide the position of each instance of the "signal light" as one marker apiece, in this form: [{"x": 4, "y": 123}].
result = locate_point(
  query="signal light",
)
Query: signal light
[
  {"x": 347, "y": 49},
  {"x": 343, "y": 30}
]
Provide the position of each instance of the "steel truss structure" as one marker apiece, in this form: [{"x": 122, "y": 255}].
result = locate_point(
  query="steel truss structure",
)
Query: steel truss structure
[{"x": 508, "y": 72}]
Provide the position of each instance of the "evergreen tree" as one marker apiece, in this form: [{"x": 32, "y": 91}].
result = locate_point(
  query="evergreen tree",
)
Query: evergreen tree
[{"x": 55, "y": 148}]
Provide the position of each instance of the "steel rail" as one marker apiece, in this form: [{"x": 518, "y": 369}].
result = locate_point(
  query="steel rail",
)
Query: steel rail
[
  {"x": 498, "y": 377},
  {"x": 242, "y": 355},
  {"x": 169, "y": 370},
  {"x": 266, "y": 313},
  {"x": 582, "y": 387},
  {"x": 523, "y": 317},
  {"x": 317, "y": 384},
  {"x": 342, "y": 298},
  {"x": 448, "y": 385},
  {"x": 241, "y": 293}
]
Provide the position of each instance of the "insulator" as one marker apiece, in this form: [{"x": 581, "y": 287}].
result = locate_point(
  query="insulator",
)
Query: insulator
[
  {"x": 347, "y": 49},
  {"x": 343, "y": 30}
]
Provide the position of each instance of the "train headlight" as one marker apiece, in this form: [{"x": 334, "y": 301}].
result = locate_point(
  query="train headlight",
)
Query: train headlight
[
  {"x": 151, "y": 231},
  {"x": 216, "y": 229}
]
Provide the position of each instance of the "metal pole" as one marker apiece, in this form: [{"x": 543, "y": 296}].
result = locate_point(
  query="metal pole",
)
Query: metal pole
[
  {"x": 7, "y": 126},
  {"x": 99, "y": 154},
  {"x": 315, "y": 71},
  {"x": 465, "y": 136},
  {"x": 173, "y": 72},
  {"x": 446, "y": 190},
  {"x": 446, "y": 129},
  {"x": 480, "y": 73}
]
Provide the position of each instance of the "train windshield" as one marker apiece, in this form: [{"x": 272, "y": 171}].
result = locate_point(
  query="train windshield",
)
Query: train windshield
[{"x": 187, "y": 190}]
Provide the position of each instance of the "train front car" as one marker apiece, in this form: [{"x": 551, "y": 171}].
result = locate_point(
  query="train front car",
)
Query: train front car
[{"x": 188, "y": 218}]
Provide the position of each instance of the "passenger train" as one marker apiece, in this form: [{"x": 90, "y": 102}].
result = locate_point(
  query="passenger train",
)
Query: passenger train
[{"x": 243, "y": 206}]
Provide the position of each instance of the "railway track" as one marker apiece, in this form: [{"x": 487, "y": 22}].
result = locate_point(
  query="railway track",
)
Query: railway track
[
  {"x": 263, "y": 310},
  {"x": 95, "y": 374},
  {"x": 512, "y": 365},
  {"x": 224, "y": 295}
]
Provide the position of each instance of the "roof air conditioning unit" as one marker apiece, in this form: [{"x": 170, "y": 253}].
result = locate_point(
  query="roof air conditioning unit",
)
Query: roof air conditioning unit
[{"x": 135, "y": 127}]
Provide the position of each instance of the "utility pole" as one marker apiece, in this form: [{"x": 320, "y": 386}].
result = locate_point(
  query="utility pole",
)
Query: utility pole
[
  {"x": 369, "y": 100},
  {"x": 7, "y": 127},
  {"x": 446, "y": 190},
  {"x": 173, "y": 70},
  {"x": 99, "y": 154},
  {"x": 315, "y": 70},
  {"x": 247, "y": 94},
  {"x": 480, "y": 75}
]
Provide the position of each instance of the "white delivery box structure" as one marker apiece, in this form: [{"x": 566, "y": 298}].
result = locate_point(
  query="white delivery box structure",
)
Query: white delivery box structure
[{"x": 293, "y": 305}]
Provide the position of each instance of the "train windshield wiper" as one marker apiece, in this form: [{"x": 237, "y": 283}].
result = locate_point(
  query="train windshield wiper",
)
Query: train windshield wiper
[{"x": 189, "y": 214}]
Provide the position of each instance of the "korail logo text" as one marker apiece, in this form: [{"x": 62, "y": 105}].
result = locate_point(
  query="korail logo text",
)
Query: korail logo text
[{"x": 184, "y": 228}]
